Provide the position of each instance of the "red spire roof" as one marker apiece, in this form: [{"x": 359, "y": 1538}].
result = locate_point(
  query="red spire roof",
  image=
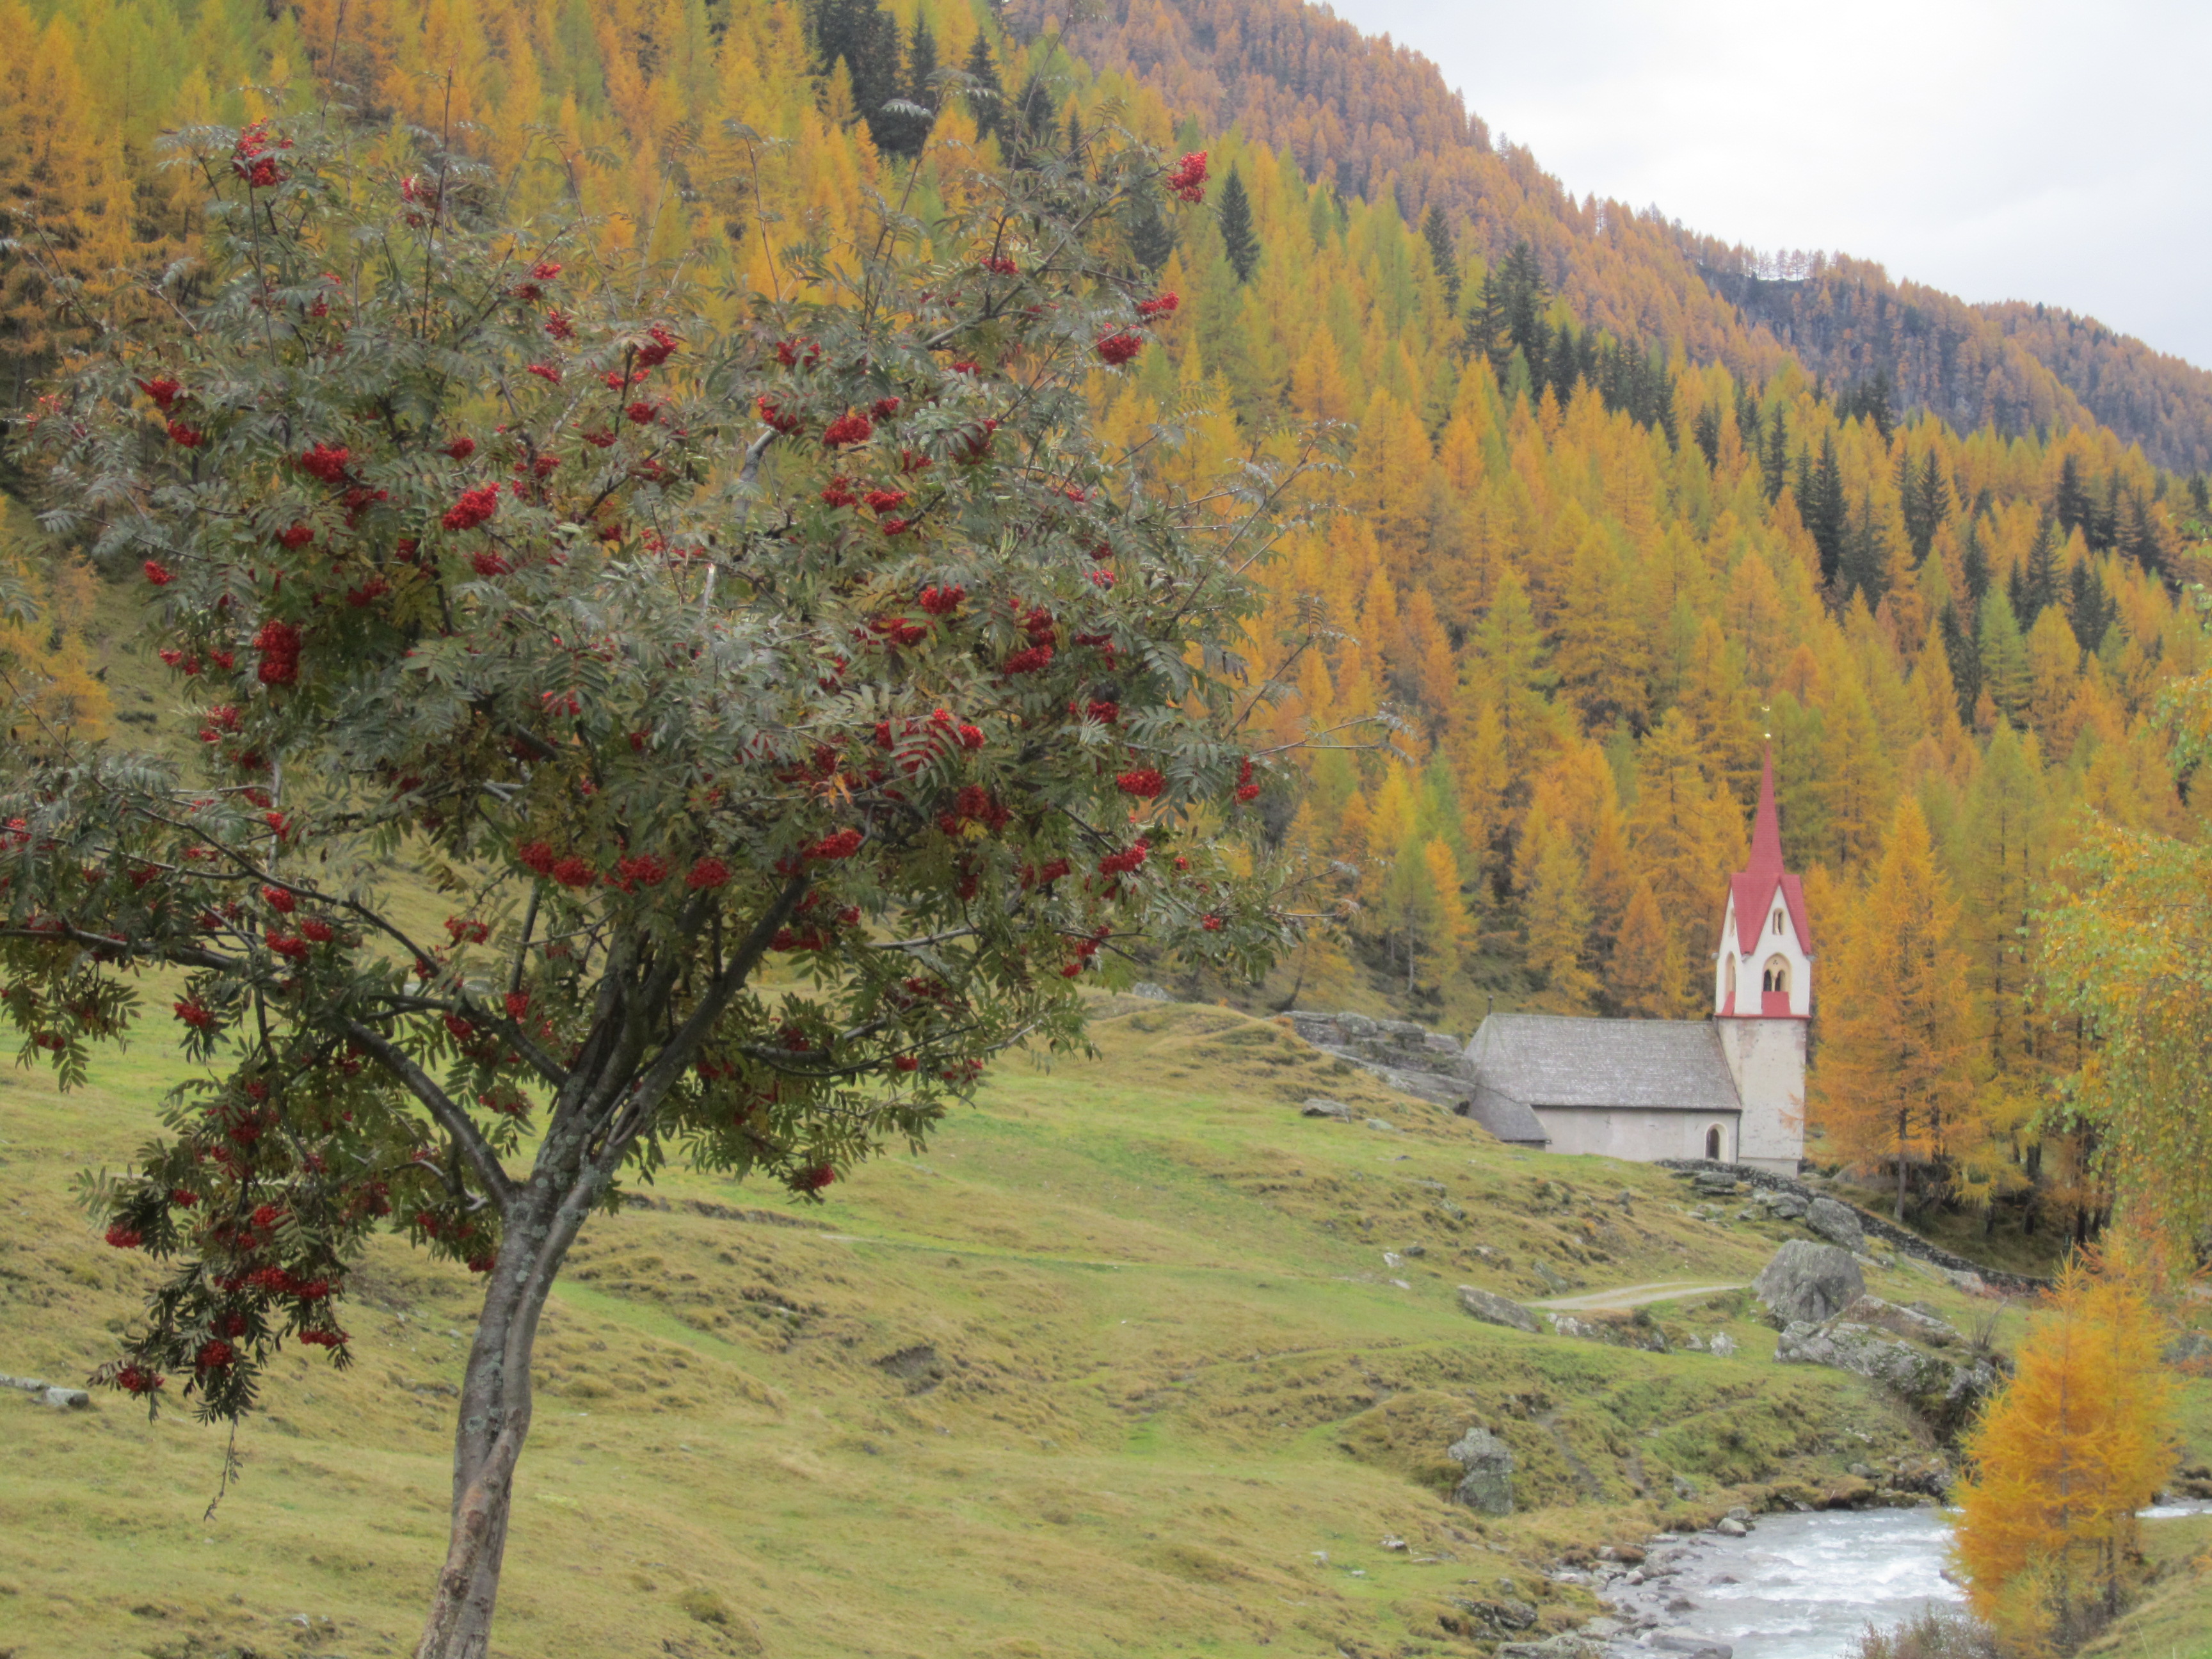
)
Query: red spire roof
[
  {"x": 1766, "y": 826},
  {"x": 1754, "y": 888}
]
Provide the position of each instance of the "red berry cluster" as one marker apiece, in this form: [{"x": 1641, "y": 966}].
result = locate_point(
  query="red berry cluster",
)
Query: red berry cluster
[
  {"x": 278, "y": 642},
  {"x": 1188, "y": 181},
  {"x": 475, "y": 507}
]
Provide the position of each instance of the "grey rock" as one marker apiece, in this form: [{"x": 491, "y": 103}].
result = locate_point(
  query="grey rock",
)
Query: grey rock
[
  {"x": 1317, "y": 1106},
  {"x": 2190, "y": 1345},
  {"x": 27, "y": 1384},
  {"x": 1731, "y": 1528},
  {"x": 1377, "y": 1123},
  {"x": 1836, "y": 1223},
  {"x": 1788, "y": 1206},
  {"x": 1150, "y": 992},
  {"x": 1806, "y": 1283},
  {"x": 1493, "y": 1308},
  {"x": 66, "y": 1400},
  {"x": 1915, "y": 1324},
  {"x": 1722, "y": 1344},
  {"x": 1943, "y": 1390},
  {"x": 1619, "y": 1333},
  {"x": 1565, "y": 1645},
  {"x": 1688, "y": 1641},
  {"x": 1685, "y": 1487},
  {"x": 1487, "y": 1486}
]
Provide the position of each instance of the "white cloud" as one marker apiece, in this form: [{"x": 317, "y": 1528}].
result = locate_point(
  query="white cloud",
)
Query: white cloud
[{"x": 2029, "y": 150}]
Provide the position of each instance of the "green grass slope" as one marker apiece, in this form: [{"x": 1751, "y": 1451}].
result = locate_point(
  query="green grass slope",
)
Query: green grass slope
[{"x": 1119, "y": 1366}]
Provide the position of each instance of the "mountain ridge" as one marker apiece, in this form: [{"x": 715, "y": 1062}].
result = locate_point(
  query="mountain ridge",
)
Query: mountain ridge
[{"x": 1368, "y": 115}]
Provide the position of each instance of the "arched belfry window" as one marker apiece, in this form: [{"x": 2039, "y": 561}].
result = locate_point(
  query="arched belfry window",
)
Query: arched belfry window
[
  {"x": 1776, "y": 975},
  {"x": 1731, "y": 976},
  {"x": 1713, "y": 1144},
  {"x": 1777, "y": 924}
]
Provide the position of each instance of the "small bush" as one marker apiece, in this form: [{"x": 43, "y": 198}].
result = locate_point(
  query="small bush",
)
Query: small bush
[{"x": 1936, "y": 1634}]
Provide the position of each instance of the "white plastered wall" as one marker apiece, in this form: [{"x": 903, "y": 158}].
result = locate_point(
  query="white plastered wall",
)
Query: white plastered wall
[
  {"x": 1767, "y": 1059},
  {"x": 1643, "y": 1137}
]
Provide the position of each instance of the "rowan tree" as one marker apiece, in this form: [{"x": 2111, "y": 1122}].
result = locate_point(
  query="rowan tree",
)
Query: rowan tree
[{"x": 667, "y": 655}]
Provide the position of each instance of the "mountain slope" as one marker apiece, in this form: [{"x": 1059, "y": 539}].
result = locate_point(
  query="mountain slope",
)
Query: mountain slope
[
  {"x": 1116, "y": 1368},
  {"x": 1376, "y": 119}
]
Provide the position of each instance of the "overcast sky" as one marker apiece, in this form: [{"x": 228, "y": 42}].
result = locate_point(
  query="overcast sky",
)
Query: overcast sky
[{"x": 2025, "y": 150}]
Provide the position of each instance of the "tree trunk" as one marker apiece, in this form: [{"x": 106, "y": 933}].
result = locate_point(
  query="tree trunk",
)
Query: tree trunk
[
  {"x": 1900, "y": 1169},
  {"x": 495, "y": 1408}
]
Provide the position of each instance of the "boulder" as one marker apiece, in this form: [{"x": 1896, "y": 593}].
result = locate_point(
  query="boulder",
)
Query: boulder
[
  {"x": 1806, "y": 1283},
  {"x": 1316, "y": 1106},
  {"x": 27, "y": 1384},
  {"x": 1487, "y": 1486},
  {"x": 1150, "y": 992},
  {"x": 1494, "y": 1310},
  {"x": 1722, "y": 1344},
  {"x": 66, "y": 1400},
  {"x": 1378, "y": 1123},
  {"x": 1836, "y": 1223}
]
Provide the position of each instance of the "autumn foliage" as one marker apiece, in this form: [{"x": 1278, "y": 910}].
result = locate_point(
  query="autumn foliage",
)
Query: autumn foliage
[{"x": 2066, "y": 1453}]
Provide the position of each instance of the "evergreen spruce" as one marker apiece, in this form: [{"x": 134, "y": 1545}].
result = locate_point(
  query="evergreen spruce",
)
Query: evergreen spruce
[
  {"x": 2089, "y": 608},
  {"x": 1706, "y": 431},
  {"x": 1443, "y": 254},
  {"x": 1152, "y": 234},
  {"x": 1774, "y": 463},
  {"x": 1238, "y": 240},
  {"x": 986, "y": 97}
]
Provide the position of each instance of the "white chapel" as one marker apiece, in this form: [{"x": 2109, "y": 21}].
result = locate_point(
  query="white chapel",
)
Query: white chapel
[{"x": 1730, "y": 1088}]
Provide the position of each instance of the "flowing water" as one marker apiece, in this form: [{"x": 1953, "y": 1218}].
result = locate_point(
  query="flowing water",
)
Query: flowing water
[{"x": 1799, "y": 1587}]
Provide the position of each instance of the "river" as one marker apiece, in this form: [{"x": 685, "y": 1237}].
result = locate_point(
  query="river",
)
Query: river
[{"x": 1799, "y": 1587}]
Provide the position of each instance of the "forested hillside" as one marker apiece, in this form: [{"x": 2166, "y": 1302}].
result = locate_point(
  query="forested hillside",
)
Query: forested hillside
[
  {"x": 1594, "y": 541},
  {"x": 1374, "y": 119}
]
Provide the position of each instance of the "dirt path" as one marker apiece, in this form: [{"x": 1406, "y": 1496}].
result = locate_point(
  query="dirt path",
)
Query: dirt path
[{"x": 1632, "y": 1295}]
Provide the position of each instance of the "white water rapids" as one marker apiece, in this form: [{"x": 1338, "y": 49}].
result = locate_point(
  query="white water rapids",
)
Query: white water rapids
[{"x": 1799, "y": 1587}]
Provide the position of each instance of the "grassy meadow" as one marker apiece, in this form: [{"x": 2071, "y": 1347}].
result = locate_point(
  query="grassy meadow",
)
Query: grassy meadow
[{"x": 1118, "y": 1366}]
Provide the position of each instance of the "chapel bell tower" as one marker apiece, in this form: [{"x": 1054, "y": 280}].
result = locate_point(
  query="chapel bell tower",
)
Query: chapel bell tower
[{"x": 1763, "y": 994}]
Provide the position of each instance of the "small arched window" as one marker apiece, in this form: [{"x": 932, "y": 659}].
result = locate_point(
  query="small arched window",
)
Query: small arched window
[
  {"x": 1713, "y": 1144},
  {"x": 1775, "y": 976},
  {"x": 1731, "y": 977},
  {"x": 1777, "y": 924}
]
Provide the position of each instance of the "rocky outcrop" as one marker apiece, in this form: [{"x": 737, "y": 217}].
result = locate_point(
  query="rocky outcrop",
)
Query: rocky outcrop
[
  {"x": 1807, "y": 1283},
  {"x": 1941, "y": 1390},
  {"x": 1629, "y": 1330},
  {"x": 1415, "y": 1060},
  {"x": 1487, "y": 1486},
  {"x": 1494, "y": 1310},
  {"x": 1768, "y": 1188}
]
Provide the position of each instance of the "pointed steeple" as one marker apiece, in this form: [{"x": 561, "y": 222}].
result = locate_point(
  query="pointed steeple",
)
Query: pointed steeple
[
  {"x": 1766, "y": 825},
  {"x": 1770, "y": 936}
]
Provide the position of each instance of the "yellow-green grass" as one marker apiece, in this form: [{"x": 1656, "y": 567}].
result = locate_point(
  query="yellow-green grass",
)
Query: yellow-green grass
[
  {"x": 2173, "y": 1618},
  {"x": 1116, "y": 1367}
]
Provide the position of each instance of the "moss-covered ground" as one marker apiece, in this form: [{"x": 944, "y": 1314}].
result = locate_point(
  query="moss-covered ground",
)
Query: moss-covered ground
[{"x": 1118, "y": 1366}]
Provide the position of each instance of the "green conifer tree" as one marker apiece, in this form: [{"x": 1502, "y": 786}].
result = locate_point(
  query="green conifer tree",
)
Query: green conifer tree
[
  {"x": 1443, "y": 254},
  {"x": 1238, "y": 240}
]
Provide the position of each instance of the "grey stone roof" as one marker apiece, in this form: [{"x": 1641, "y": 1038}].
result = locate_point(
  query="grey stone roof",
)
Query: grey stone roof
[{"x": 1556, "y": 1059}]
